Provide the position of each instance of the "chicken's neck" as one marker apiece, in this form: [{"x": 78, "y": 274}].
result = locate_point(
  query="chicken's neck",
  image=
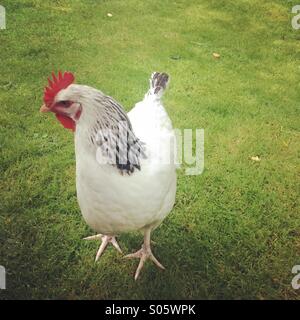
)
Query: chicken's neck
[{"x": 105, "y": 130}]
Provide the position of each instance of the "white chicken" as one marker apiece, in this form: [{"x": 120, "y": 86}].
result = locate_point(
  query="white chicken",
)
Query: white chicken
[{"x": 125, "y": 163}]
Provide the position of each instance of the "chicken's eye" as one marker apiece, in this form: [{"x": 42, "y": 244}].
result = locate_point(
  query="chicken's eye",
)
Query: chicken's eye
[{"x": 65, "y": 104}]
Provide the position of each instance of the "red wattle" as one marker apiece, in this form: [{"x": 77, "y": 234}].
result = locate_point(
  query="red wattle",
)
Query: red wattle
[{"x": 66, "y": 121}]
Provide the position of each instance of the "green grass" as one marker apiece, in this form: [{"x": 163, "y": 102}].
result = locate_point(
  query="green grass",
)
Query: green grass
[{"x": 235, "y": 229}]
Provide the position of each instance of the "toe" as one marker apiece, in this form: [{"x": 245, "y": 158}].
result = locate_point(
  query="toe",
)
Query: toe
[
  {"x": 101, "y": 249},
  {"x": 116, "y": 245},
  {"x": 156, "y": 262},
  {"x": 140, "y": 266},
  {"x": 95, "y": 237}
]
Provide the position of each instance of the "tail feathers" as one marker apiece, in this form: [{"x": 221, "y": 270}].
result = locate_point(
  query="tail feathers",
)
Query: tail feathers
[{"x": 158, "y": 83}]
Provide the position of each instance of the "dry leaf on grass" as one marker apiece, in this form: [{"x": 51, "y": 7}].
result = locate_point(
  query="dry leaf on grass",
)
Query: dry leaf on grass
[
  {"x": 256, "y": 158},
  {"x": 216, "y": 55}
]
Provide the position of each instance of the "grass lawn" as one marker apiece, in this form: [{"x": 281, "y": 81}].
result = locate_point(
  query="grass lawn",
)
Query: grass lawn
[{"x": 235, "y": 229}]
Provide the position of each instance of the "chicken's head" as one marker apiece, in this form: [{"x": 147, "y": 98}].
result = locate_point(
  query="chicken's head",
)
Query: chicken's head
[{"x": 60, "y": 99}]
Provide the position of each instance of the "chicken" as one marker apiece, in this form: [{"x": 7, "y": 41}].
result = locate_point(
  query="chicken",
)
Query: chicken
[{"x": 125, "y": 163}]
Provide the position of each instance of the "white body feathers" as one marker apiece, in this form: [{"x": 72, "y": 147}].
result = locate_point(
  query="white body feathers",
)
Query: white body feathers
[{"x": 112, "y": 203}]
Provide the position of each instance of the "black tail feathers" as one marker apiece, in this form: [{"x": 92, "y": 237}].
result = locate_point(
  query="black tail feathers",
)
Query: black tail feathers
[{"x": 158, "y": 82}]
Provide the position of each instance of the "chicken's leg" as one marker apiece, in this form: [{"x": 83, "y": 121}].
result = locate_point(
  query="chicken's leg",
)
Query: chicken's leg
[
  {"x": 144, "y": 253},
  {"x": 105, "y": 241}
]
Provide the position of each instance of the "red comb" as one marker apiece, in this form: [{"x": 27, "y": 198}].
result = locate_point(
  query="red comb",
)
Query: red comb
[{"x": 57, "y": 84}]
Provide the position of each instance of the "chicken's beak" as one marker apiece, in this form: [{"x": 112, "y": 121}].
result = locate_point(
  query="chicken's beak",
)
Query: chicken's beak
[{"x": 44, "y": 108}]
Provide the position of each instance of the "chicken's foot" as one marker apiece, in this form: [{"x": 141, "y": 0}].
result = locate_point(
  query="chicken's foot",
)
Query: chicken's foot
[
  {"x": 143, "y": 254},
  {"x": 105, "y": 241}
]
